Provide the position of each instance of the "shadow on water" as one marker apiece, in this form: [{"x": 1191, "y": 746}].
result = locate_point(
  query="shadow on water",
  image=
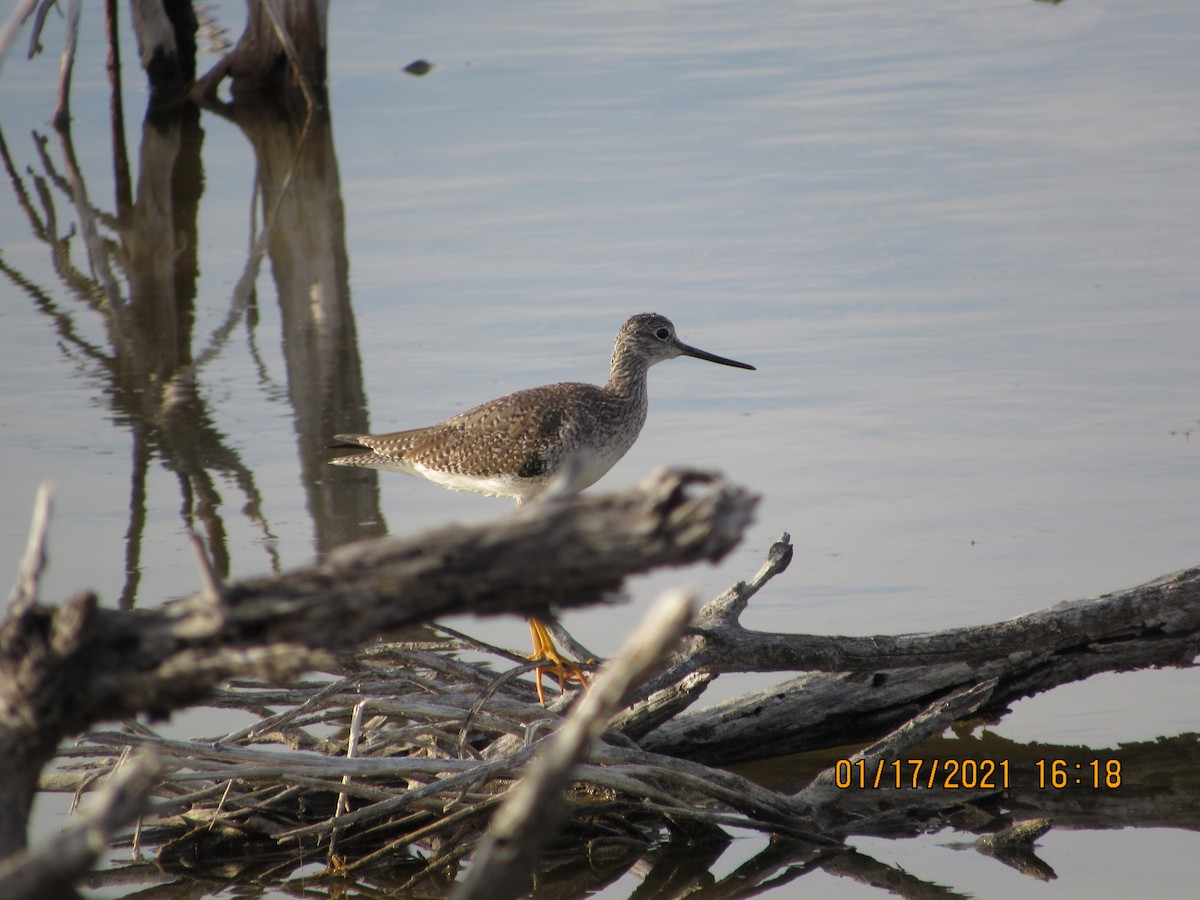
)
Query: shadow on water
[{"x": 133, "y": 271}]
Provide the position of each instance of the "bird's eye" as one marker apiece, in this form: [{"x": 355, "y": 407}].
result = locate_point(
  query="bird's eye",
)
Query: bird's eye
[{"x": 662, "y": 334}]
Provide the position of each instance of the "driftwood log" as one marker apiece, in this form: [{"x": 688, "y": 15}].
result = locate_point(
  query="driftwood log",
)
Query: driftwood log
[
  {"x": 393, "y": 767},
  {"x": 65, "y": 667},
  {"x": 1155, "y": 624}
]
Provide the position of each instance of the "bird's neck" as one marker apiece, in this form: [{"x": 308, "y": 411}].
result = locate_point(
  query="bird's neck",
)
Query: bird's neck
[{"x": 628, "y": 377}]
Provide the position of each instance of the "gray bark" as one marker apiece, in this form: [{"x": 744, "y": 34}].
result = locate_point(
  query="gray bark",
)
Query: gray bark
[
  {"x": 65, "y": 667},
  {"x": 559, "y": 552},
  {"x": 866, "y": 685}
]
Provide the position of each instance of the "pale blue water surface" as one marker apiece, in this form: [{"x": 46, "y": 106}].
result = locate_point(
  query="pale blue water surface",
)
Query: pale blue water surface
[{"x": 960, "y": 241}]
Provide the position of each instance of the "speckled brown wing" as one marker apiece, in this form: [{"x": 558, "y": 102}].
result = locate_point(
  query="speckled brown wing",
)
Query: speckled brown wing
[{"x": 520, "y": 434}]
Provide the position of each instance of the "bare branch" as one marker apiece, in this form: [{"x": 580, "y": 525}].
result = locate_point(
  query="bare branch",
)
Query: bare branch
[
  {"x": 53, "y": 868},
  {"x": 25, "y": 591},
  {"x": 531, "y": 812}
]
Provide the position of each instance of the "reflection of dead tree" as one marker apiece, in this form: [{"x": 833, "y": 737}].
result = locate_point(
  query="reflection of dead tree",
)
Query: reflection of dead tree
[
  {"x": 143, "y": 293},
  {"x": 394, "y": 768},
  {"x": 281, "y": 54},
  {"x": 303, "y": 235},
  {"x": 142, "y": 271},
  {"x": 166, "y": 33},
  {"x": 38, "y": 10}
]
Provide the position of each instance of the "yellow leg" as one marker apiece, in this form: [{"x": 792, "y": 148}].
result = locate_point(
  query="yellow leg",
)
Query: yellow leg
[{"x": 563, "y": 669}]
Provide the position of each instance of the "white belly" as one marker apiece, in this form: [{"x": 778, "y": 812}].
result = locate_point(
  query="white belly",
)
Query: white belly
[
  {"x": 491, "y": 485},
  {"x": 594, "y": 462}
]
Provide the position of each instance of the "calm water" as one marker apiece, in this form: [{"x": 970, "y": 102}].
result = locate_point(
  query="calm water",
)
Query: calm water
[{"x": 959, "y": 241}]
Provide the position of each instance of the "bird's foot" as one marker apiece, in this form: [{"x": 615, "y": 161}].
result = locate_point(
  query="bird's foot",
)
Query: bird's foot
[{"x": 565, "y": 670}]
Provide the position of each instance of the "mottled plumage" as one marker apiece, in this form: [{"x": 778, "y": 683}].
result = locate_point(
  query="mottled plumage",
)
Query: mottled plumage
[{"x": 513, "y": 445}]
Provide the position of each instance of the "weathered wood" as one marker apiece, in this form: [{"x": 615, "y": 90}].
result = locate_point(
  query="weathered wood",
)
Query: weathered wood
[
  {"x": 51, "y": 871},
  {"x": 876, "y": 683},
  {"x": 532, "y": 811},
  {"x": 440, "y": 739},
  {"x": 429, "y": 714},
  {"x": 824, "y": 797},
  {"x": 65, "y": 667},
  {"x": 1168, "y": 607}
]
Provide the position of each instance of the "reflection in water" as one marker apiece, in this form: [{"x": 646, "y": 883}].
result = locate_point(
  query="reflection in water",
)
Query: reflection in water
[
  {"x": 140, "y": 282},
  {"x": 305, "y": 231}
]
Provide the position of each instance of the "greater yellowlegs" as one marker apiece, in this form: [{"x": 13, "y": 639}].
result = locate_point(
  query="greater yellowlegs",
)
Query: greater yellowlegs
[{"x": 513, "y": 445}]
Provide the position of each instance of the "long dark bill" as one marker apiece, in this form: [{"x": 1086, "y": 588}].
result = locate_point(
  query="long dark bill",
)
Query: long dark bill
[{"x": 712, "y": 357}]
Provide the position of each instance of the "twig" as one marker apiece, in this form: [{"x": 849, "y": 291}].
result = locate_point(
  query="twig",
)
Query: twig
[
  {"x": 212, "y": 581},
  {"x": 821, "y": 793},
  {"x": 343, "y": 800}
]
